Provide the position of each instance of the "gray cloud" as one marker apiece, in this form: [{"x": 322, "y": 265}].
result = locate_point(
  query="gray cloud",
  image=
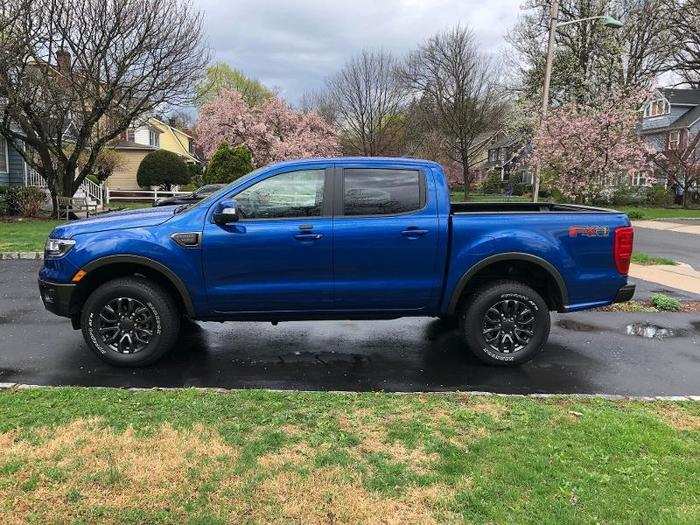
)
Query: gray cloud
[{"x": 293, "y": 46}]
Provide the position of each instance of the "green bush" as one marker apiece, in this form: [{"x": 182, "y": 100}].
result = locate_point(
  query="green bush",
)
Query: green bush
[
  {"x": 626, "y": 195},
  {"x": 162, "y": 168},
  {"x": 635, "y": 215},
  {"x": 21, "y": 200},
  {"x": 519, "y": 187},
  {"x": 228, "y": 164},
  {"x": 491, "y": 184},
  {"x": 196, "y": 175},
  {"x": 658, "y": 196},
  {"x": 665, "y": 303}
]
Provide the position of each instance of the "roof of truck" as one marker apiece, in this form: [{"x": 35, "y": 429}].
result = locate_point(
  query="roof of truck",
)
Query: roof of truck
[{"x": 377, "y": 161}]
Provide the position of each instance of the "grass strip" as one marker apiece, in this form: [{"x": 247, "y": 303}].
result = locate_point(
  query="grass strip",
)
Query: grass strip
[{"x": 108, "y": 455}]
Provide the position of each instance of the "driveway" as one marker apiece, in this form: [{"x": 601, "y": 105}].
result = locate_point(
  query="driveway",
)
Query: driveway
[{"x": 587, "y": 352}]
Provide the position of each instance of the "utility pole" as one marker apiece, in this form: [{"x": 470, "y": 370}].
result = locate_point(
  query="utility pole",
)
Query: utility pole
[
  {"x": 553, "y": 13},
  {"x": 608, "y": 21}
]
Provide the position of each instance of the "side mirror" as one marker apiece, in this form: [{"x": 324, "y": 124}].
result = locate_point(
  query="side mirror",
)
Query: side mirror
[{"x": 226, "y": 212}]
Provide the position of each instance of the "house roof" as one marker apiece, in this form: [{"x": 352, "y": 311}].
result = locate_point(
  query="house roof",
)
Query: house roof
[
  {"x": 690, "y": 97},
  {"x": 507, "y": 141},
  {"x": 130, "y": 144},
  {"x": 687, "y": 119}
]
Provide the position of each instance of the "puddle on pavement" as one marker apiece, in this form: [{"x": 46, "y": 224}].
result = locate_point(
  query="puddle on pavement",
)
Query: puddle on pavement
[
  {"x": 652, "y": 331},
  {"x": 576, "y": 326}
]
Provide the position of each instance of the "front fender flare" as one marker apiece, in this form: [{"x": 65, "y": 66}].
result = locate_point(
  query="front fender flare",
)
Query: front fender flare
[{"x": 152, "y": 264}]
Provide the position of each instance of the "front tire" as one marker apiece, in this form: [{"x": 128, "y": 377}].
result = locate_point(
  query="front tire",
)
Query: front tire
[
  {"x": 505, "y": 323},
  {"x": 130, "y": 322}
]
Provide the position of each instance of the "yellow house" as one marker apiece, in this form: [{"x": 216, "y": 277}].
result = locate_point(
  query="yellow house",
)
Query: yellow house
[{"x": 139, "y": 141}]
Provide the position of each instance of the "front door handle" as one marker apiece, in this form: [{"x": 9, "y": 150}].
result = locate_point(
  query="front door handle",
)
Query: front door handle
[
  {"x": 308, "y": 236},
  {"x": 413, "y": 233}
]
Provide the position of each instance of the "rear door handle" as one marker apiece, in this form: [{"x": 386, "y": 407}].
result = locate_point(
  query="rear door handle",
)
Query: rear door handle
[
  {"x": 308, "y": 236},
  {"x": 413, "y": 232}
]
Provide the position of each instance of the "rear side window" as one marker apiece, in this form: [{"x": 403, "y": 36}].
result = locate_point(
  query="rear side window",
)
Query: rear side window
[{"x": 382, "y": 191}]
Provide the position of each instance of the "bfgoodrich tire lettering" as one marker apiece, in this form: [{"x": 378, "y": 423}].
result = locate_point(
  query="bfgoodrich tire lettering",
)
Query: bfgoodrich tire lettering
[
  {"x": 137, "y": 309},
  {"x": 505, "y": 323}
]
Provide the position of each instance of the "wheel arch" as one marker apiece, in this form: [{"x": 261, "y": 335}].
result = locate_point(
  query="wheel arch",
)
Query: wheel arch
[
  {"x": 106, "y": 268},
  {"x": 555, "y": 295}
]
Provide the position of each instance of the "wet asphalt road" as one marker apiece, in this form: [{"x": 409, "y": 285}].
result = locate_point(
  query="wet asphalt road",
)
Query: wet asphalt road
[
  {"x": 683, "y": 247},
  {"x": 587, "y": 353}
]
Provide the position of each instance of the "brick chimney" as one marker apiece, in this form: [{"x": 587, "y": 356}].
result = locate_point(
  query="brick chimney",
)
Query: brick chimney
[{"x": 63, "y": 60}]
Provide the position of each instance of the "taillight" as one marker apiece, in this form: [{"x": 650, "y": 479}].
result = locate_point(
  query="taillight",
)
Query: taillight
[{"x": 622, "y": 248}]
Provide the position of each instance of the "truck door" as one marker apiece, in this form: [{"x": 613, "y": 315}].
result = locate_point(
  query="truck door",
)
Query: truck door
[
  {"x": 277, "y": 257},
  {"x": 385, "y": 239}
]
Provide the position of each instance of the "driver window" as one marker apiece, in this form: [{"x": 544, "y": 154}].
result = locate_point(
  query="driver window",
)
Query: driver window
[{"x": 293, "y": 194}]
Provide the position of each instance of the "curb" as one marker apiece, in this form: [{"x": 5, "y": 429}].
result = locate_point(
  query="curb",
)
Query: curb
[
  {"x": 21, "y": 255},
  {"x": 217, "y": 390}
]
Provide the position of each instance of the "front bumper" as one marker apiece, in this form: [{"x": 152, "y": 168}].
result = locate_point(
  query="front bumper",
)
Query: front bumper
[
  {"x": 56, "y": 297},
  {"x": 625, "y": 293}
]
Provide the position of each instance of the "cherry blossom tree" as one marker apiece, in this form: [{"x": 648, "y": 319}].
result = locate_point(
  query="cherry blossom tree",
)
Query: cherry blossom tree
[
  {"x": 272, "y": 131},
  {"x": 589, "y": 150}
]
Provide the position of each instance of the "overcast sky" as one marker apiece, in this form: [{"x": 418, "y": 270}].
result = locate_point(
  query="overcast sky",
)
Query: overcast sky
[{"x": 292, "y": 45}]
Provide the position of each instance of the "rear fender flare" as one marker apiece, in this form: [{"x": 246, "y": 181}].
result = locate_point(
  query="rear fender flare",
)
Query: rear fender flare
[{"x": 510, "y": 256}]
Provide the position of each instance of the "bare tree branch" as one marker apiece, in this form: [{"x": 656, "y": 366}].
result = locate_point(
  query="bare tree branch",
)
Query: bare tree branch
[{"x": 74, "y": 75}]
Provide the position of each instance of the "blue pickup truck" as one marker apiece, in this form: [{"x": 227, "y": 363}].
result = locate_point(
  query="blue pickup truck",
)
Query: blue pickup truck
[{"x": 339, "y": 238}]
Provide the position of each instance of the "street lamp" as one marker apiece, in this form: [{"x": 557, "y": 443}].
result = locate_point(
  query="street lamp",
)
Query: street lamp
[{"x": 608, "y": 21}]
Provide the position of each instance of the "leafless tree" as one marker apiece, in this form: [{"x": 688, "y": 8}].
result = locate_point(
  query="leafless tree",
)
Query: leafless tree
[
  {"x": 74, "y": 74},
  {"x": 366, "y": 100},
  {"x": 684, "y": 16},
  {"x": 456, "y": 88},
  {"x": 592, "y": 59}
]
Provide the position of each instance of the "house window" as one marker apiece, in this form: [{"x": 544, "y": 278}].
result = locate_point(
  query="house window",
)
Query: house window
[
  {"x": 4, "y": 158},
  {"x": 131, "y": 134},
  {"x": 674, "y": 139},
  {"x": 657, "y": 108},
  {"x": 493, "y": 155},
  {"x": 154, "y": 138}
]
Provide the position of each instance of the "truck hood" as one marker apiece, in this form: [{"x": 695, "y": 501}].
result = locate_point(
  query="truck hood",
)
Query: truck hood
[{"x": 115, "y": 221}]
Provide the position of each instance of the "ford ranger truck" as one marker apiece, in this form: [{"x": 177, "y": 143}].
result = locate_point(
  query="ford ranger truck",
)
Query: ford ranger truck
[{"x": 339, "y": 238}]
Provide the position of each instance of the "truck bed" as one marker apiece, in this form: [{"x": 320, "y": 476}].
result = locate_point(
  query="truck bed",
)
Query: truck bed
[{"x": 523, "y": 207}]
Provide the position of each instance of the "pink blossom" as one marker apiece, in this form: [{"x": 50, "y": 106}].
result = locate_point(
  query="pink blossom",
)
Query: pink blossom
[
  {"x": 272, "y": 130},
  {"x": 589, "y": 150}
]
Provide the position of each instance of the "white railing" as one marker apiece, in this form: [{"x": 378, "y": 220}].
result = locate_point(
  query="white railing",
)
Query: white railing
[
  {"x": 32, "y": 178},
  {"x": 139, "y": 195},
  {"x": 92, "y": 190},
  {"x": 88, "y": 189}
]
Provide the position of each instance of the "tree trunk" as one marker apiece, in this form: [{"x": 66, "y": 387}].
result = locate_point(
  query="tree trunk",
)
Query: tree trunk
[
  {"x": 465, "y": 178},
  {"x": 54, "y": 202}
]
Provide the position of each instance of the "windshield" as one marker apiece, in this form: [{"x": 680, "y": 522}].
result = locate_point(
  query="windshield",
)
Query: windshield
[{"x": 223, "y": 191}]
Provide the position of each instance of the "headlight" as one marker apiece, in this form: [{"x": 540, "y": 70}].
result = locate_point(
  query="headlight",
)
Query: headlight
[{"x": 55, "y": 248}]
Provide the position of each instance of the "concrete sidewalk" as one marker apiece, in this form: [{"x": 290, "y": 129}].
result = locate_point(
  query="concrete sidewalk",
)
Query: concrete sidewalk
[
  {"x": 668, "y": 226},
  {"x": 681, "y": 276}
]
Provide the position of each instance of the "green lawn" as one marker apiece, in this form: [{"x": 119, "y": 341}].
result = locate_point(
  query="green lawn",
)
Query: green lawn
[
  {"x": 73, "y": 455},
  {"x": 27, "y": 235},
  {"x": 645, "y": 213},
  {"x": 129, "y": 205},
  {"x": 649, "y": 260}
]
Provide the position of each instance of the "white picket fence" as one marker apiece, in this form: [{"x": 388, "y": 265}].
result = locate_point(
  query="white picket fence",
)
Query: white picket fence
[
  {"x": 100, "y": 194},
  {"x": 139, "y": 195}
]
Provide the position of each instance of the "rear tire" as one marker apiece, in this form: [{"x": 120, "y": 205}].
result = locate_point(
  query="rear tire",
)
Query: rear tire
[
  {"x": 505, "y": 323},
  {"x": 130, "y": 322}
]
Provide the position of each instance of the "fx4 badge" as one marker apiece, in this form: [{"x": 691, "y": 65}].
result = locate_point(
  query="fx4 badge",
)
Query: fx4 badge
[{"x": 589, "y": 231}]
